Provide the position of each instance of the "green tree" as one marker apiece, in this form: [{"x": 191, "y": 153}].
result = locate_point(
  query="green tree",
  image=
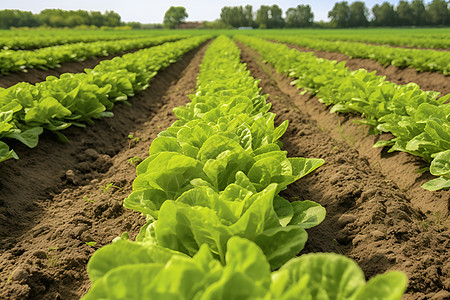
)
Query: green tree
[
  {"x": 438, "y": 10},
  {"x": 58, "y": 18},
  {"x": 74, "y": 20},
  {"x": 85, "y": 15},
  {"x": 262, "y": 16},
  {"x": 226, "y": 15},
  {"x": 269, "y": 17},
  {"x": 276, "y": 17},
  {"x": 358, "y": 14},
  {"x": 112, "y": 19},
  {"x": 174, "y": 16},
  {"x": 404, "y": 13},
  {"x": 57, "y": 21},
  {"x": 233, "y": 16},
  {"x": 384, "y": 15},
  {"x": 248, "y": 14},
  {"x": 17, "y": 18},
  {"x": 340, "y": 14},
  {"x": 419, "y": 13},
  {"x": 301, "y": 16},
  {"x": 96, "y": 18}
]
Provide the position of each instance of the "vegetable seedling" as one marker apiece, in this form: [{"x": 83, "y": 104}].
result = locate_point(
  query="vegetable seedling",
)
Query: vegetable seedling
[
  {"x": 88, "y": 200},
  {"x": 134, "y": 161},
  {"x": 110, "y": 185},
  {"x": 133, "y": 140},
  {"x": 51, "y": 260},
  {"x": 91, "y": 244}
]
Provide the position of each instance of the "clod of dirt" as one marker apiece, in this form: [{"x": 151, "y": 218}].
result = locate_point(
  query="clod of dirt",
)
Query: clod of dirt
[
  {"x": 358, "y": 239},
  {"x": 91, "y": 153},
  {"x": 19, "y": 274},
  {"x": 40, "y": 254},
  {"x": 77, "y": 231},
  {"x": 103, "y": 163},
  {"x": 442, "y": 295},
  {"x": 345, "y": 219},
  {"x": 70, "y": 176},
  {"x": 378, "y": 235}
]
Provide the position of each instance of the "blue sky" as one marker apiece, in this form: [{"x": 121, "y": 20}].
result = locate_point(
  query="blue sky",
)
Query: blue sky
[{"x": 151, "y": 11}]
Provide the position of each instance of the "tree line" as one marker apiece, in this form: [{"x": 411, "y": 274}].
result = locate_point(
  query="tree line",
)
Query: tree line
[
  {"x": 343, "y": 14},
  {"x": 58, "y": 18}
]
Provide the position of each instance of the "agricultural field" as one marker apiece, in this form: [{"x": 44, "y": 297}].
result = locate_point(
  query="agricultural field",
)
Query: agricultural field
[{"x": 228, "y": 164}]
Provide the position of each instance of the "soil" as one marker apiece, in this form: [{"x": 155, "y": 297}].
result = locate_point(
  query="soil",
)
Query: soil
[
  {"x": 376, "y": 212},
  {"x": 36, "y": 75},
  {"x": 428, "y": 81},
  {"x": 58, "y": 198}
]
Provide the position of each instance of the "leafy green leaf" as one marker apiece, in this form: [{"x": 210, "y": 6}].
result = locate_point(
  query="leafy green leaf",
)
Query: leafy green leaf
[
  {"x": 437, "y": 184},
  {"x": 6, "y": 153}
]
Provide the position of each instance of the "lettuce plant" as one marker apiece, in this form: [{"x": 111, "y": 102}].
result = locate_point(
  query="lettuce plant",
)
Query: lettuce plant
[
  {"x": 127, "y": 270},
  {"x": 203, "y": 216}
]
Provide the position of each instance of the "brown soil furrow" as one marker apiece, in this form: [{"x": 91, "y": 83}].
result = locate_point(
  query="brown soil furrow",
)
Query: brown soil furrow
[
  {"x": 37, "y": 75},
  {"x": 428, "y": 81},
  {"x": 58, "y": 197},
  {"x": 369, "y": 218}
]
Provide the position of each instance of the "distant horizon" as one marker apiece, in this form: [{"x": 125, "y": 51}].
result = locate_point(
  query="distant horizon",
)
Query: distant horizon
[{"x": 147, "y": 12}]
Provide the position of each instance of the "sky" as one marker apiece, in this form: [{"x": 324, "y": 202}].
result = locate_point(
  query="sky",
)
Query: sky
[{"x": 151, "y": 11}]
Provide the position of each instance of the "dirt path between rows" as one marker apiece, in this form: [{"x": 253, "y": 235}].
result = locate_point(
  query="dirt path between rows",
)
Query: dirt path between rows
[
  {"x": 36, "y": 75},
  {"x": 58, "y": 197},
  {"x": 369, "y": 217},
  {"x": 428, "y": 81}
]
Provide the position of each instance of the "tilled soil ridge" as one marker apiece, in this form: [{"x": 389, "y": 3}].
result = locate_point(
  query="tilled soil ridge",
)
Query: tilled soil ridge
[
  {"x": 62, "y": 202},
  {"x": 369, "y": 218}
]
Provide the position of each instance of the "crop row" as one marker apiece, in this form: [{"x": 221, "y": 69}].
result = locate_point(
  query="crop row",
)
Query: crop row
[
  {"x": 52, "y": 57},
  {"x": 34, "y": 39},
  {"x": 410, "y": 38},
  {"x": 75, "y": 99},
  {"x": 420, "y": 59},
  {"x": 419, "y": 120},
  {"x": 216, "y": 225}
]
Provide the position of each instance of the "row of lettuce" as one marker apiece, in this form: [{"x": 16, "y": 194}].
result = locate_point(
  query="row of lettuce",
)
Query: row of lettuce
[
  {"x": 419, "y": 120},
  {"x": 76, "y": 99},
  {"x": 420, "y": 59},
  {"x": 423, "y": 41},
  {"x": 35, "y": 39},
  {"x": 216, "y": 226},
  {"x": 52, "y": 57}
]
